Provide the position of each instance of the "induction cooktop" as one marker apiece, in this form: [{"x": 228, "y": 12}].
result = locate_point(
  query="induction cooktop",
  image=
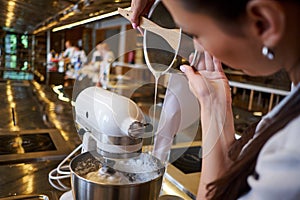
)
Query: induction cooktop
[
  {"x": 29, "y": 145},
  {"x": 188, "y": 160}
]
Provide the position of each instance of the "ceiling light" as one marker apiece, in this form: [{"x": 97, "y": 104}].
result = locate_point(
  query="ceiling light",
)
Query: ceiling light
[
  {"x": 85, "y": 21},
  {"x": 9, "y": 16},
  {"x": 11, "y": 3}
]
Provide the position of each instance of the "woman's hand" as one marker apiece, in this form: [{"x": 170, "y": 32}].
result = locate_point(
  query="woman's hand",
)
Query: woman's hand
[
  {"x": 139, "y": 8},
  {"x": 209, "y": 84},
  {"x": 207, "y": 80}
]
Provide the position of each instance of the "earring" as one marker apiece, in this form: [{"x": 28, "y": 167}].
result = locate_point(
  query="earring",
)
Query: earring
[{"x": 267, "y": 53}]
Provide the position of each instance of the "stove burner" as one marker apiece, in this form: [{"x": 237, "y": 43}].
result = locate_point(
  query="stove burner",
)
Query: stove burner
[
  {"x": 20, "y": 144},
  {"x": 189, "y": 162},
  {"x": 32, "y": 146}
]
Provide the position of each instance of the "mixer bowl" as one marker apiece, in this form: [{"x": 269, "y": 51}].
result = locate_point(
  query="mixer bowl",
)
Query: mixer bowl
[{"x": 84, "y": 189}]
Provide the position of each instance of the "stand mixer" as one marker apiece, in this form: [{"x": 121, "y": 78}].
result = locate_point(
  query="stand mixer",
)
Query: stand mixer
[
  {"x": 111, "y": 164},
  {"x": 112, "y": 124}
]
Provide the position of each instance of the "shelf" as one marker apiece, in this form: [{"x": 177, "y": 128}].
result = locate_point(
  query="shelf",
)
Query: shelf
[
  {"x": 135, "y": 66},
  {"x": 258, "y": 88}
]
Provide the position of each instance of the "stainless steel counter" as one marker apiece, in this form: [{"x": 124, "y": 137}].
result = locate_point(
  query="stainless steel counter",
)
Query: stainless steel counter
[
  {"x": 27, "y": 179},
  {"x": 28, "y": 109},
  {"x": 23, "y": 173}
]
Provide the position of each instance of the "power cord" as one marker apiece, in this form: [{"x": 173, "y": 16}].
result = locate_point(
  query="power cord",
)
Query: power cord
[{"x": 62, "y": 172}]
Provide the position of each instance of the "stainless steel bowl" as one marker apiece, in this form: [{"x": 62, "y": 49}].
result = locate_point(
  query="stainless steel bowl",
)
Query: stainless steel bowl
[{"x": 84, "y": 189}]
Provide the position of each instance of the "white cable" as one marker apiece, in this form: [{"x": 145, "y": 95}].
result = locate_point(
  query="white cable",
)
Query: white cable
[
  {"x": 66, "y": 159},
  {"x": 61, "y": 172}
]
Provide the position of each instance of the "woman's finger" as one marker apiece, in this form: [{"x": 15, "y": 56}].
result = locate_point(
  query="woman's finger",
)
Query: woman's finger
[
  {"x": 217, "y": 64},
  {"x": 188, "y": 70},
  {"x": 209, "y": 64},
  {"x": 197, "y": 61},
  {"x": 137, "y": 9},
  {"x": 201, "y": 62},
  {"x": 191, "y": 76},
  {"x": 191, "y": 57}
]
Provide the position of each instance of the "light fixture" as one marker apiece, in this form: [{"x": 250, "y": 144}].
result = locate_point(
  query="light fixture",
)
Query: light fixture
[
  {"x": 10, "y": 15},
  {"x": 258, "y": 114},
  {"x": 85, "y": 21}
]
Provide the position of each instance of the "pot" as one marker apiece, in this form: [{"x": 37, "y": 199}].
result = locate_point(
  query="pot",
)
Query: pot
[{"x": 88, "y": 189}]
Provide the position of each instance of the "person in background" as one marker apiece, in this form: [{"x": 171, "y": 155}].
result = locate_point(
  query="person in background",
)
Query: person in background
[
  {"x": 79, "y": 55},
  {"x": 97, "y": 54},
  {"x": 78, "y": 59},
  {"x": 91, "y": 69},
  {"x": 52, "y": 60},
  {"x": 51, "y": 55},
  {"x": 259, "y": 37},
  {"x": 69, "y": 51},
  {"x": 106, "y": 53},
  {"x": 107, "y": 59},
  {"x": 99, "y": 68}
]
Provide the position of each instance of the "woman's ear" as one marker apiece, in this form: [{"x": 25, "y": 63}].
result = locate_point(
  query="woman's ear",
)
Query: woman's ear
[{"x": 267, "y": 20}]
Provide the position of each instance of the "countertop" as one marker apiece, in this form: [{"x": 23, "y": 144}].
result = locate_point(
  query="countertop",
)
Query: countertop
[
  {"x": 28, "y": 178},
  {"x": 31, "y": 177},
  {"x": 37, "y": 108}
]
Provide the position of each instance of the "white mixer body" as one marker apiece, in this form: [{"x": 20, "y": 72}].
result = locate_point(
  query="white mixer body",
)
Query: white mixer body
[{"x": 106, "y": 117}]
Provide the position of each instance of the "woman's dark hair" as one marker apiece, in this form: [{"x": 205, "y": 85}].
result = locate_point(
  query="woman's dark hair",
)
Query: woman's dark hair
[
  {"x": 233, "y": 183},
  {"x": 229, "y": 13},
  {"x": 229, "y": 10}
]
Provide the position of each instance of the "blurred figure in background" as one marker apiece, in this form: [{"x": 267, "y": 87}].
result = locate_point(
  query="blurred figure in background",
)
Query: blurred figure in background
[
  {"x": 79, "y": 55},
  {"x": 52, "y": 60},
  {"x": 78, "y": 59},
  {"x": 98, "y": 68},
  {"x": 68, "y": 53},
  {"x": 97, "y": 54},
  {"x": 108, "y": 58}
]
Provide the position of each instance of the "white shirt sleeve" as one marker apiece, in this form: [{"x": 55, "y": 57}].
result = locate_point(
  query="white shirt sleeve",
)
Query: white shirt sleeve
[
  {"x": 83, "y": 57},
  {"x": 69, "y": 52},
  {"x": 278, "y": 167}
]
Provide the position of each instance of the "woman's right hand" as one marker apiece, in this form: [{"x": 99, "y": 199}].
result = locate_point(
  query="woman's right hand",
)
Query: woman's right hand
[
  {"x": 139, "y": 8},
  {"x": 209, "y": 84},
  {"x": 207, "y": 80}
]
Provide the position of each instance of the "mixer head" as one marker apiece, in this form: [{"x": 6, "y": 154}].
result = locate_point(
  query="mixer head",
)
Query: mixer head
[{"x": 111, "y": 124}]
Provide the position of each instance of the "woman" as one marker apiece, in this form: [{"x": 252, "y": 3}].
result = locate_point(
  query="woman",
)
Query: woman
[{"x": 259, "y": 37}]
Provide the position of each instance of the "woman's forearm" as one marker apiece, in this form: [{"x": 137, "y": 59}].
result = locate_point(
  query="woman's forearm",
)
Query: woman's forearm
[{"x": 217, "y": 136}]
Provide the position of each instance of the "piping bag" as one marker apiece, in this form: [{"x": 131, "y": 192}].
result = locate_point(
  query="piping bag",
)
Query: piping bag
[{"x": 180, "y": 110}]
